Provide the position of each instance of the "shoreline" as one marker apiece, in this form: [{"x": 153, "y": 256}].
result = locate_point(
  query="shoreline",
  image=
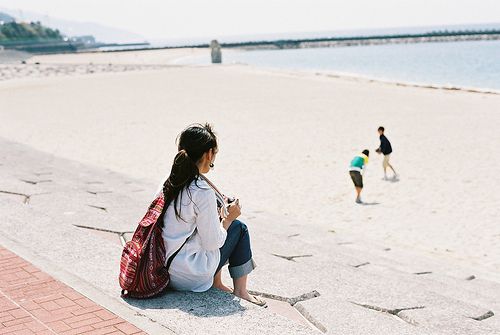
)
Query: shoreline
[
  {"x": 369, "y": 79},
  {"x": 408, "y": 83}
]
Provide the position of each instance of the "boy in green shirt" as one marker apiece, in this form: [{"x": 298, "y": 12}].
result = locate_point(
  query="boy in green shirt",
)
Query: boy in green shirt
[{"x": 356, "y": 169}]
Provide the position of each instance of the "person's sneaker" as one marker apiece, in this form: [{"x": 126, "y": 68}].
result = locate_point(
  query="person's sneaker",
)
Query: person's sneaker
[
  {"x": 385, "y": 177},
  {"x": 358, "y": 201}
]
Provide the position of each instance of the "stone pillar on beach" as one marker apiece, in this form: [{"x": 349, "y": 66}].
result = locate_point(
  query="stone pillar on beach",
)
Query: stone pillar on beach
[{"x": 216, "y": 52}]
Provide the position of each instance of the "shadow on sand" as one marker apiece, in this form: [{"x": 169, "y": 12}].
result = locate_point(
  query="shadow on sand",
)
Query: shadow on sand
[
  {"x": 206, "y": 304},
  {"x": 370, "y": 203},
  {"x": 391, "y": 180}
]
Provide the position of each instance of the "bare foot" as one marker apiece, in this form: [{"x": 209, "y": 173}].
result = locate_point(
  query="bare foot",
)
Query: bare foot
[{"x": 222, "y": 287}]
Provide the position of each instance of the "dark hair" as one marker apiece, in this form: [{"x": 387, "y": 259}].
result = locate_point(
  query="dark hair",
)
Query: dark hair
[
  {"x": 381, "y": 129},
  {"x": 366, "y": 152},
  {"x": 192, "y": 143}
]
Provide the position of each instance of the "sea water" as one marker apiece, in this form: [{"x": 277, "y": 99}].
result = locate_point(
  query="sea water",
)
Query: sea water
[{"x": 471, "y": 64}]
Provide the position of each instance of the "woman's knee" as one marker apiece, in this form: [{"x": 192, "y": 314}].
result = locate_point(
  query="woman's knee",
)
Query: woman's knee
[{"x": 241, "y": 226}]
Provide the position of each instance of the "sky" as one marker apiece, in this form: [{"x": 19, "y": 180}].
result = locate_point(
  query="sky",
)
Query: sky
[{"x": 166, "y": 19}]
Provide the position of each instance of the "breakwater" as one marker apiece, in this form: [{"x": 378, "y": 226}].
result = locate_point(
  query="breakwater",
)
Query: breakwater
[{"x": 437, "y": 36}]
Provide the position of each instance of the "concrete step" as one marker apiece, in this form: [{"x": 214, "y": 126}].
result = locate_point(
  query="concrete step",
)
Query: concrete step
[{"x": 373, "y": 284}]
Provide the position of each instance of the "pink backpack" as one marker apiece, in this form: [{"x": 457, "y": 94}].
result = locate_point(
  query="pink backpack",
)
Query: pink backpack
[{"x": 143, "y": 273}]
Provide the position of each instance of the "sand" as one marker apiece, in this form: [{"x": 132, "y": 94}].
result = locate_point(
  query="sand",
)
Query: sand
[{"x": 286, "y": 140}]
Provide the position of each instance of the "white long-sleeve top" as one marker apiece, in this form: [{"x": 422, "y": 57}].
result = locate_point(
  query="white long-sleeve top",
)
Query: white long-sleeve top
[{"x": 194, "y": 266}]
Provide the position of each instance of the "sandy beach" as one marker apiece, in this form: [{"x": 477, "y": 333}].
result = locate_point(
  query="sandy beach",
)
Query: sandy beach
[{"x": 286, "y": 140}]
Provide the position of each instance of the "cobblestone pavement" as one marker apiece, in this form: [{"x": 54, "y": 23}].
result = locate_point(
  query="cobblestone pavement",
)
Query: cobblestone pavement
[{"x": 32, "y": 302}]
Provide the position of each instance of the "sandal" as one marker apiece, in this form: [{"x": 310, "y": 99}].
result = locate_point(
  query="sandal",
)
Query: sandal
[{"x": 258, "y": 301}]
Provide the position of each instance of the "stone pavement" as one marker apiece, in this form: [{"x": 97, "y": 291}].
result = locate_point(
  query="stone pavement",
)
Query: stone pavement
[
  {"x": 70, "y": 220},
  {"x": 32, "y": 302}
]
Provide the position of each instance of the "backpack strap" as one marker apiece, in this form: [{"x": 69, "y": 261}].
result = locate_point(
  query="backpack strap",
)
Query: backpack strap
[
  {"x": 218, "y": 194},
  {"x": 171, "y": 258}
]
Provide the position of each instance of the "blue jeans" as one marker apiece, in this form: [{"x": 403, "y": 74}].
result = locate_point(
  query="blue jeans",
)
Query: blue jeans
[{"x": 237, "y": 251}]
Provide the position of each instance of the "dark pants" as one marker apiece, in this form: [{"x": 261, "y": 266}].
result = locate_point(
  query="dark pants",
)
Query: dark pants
[
  {"x": 237, "y": 251},
  {"x": 357, "y": 178}
]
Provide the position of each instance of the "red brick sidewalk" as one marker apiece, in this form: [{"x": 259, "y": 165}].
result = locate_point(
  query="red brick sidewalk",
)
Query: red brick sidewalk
[{"x": 32, "y": 302}]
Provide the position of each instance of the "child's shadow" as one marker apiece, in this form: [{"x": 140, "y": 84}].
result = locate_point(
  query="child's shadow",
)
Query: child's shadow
[
  {"x": 206, "y": 304},
  {"x": 371, "y": 203}
]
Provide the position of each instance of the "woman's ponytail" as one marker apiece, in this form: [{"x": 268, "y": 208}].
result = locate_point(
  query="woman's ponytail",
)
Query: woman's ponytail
[{"x": 183, "y": 172}]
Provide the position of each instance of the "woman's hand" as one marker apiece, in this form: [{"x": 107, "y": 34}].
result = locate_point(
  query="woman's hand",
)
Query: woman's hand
[{"x": 233, "y": 211}]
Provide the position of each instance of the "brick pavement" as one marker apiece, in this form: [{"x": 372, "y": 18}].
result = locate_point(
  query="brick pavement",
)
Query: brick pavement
[{"x": 32, "y": 302}]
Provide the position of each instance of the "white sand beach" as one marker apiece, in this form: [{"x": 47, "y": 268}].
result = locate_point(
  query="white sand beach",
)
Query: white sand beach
[{"x": 286, "y": 140}]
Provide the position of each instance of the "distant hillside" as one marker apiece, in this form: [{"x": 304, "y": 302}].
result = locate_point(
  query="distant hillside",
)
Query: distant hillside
[
  {"x": 5, "y": 18},
  {"x": 34, "y": 31},
  {"x": 69, "y": 28}
]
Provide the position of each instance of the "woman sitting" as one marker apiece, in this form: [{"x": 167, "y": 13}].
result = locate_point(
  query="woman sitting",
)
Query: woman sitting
[{"x": 214, "y": 236}]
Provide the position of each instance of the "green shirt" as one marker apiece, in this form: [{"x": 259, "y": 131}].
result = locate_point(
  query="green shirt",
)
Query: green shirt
[{"x": 358, "y": 163}]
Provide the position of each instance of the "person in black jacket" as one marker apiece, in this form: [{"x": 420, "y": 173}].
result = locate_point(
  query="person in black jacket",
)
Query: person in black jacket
[{"x": 385, "y": 148}]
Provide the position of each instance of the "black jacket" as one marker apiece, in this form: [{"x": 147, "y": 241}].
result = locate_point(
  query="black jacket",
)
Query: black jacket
[{"x": 385, "y": 145}]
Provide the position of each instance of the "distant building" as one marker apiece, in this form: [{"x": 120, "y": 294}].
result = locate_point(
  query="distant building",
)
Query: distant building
[{"x": 86, "y": 39}]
